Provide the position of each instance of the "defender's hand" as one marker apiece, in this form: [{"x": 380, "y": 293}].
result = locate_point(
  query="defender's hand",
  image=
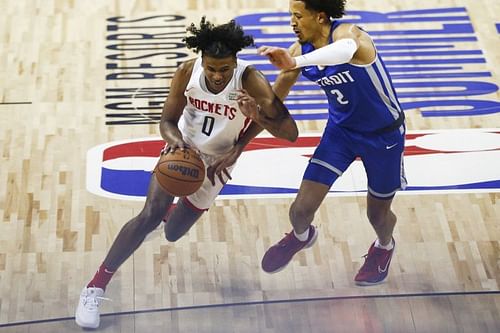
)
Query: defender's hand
[{"x": 278, "y": 56}]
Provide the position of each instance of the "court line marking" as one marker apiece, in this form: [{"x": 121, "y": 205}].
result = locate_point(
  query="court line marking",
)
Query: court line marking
[
  {"x": 15, "y": 103},
  {"x": 265, "y": 302}
]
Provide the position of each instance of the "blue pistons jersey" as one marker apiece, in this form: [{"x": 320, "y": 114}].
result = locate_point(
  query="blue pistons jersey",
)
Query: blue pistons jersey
[{"x": 360, "y": 97}]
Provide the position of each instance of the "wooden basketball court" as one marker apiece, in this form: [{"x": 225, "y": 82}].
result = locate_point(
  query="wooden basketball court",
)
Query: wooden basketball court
[{"x": 65, "y": 69}]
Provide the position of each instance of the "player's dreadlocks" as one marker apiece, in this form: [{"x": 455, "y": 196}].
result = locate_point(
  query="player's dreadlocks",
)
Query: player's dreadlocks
[
  {"x": 332, "y": 8},
  {"x": 217, "y": 41}
]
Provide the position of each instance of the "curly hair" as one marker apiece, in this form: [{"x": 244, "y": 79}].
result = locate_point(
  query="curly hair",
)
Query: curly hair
[
  {"x": 333, "y": 8},
  {"x": 217, "y": 41}
]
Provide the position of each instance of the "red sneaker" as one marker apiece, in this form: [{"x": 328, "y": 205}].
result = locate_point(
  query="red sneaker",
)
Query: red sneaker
[
  {"x": 279, "y": 255},
  {"x": 376, "y": 266}
]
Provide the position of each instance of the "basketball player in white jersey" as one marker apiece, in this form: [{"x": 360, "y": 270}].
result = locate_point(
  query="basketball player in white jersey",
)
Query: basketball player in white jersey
[{"x": 217, "y": 104}]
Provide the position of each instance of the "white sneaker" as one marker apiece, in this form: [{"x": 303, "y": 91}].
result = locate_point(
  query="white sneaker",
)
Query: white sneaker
[{"x": 87, "y": 312}]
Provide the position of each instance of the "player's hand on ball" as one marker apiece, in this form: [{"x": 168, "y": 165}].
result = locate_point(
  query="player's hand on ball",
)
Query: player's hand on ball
[
  {"x": 180, "y": 172},
  {"x": 172, "y": 146}
]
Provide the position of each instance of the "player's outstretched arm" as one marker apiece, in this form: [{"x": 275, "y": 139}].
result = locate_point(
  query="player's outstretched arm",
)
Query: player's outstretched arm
[
  {"x": 287, "y": 78},
  {"x": 348, "y": 40},
  {"x": 258, "y": 102}
]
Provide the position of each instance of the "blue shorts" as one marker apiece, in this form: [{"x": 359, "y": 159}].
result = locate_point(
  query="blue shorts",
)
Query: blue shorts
[{"x": 382, "y": 156}]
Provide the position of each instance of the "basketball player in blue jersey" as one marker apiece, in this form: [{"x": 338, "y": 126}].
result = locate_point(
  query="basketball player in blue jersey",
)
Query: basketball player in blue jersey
[
  {"x": 365, "y": 120},
  {"x": 216, "y": 105}
]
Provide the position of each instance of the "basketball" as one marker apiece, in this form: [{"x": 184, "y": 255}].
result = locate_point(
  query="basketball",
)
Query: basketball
[{"x": 180, "y": 173}]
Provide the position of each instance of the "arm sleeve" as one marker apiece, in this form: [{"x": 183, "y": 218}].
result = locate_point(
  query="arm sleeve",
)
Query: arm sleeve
[{"x": 339, "y": 52}]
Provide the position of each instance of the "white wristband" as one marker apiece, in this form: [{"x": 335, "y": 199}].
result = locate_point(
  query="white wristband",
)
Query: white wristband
[{"x": 339, "y": 52}]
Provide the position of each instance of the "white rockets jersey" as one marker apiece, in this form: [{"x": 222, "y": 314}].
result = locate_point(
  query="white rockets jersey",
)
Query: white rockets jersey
[{"x": 212, "y": 123}]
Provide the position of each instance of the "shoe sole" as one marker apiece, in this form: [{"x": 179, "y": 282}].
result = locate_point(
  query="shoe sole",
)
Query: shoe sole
[
  {"x": 82, "y": 325},
  {"x": 367, "y": 284},
  {"x": 308, "y": 245}
]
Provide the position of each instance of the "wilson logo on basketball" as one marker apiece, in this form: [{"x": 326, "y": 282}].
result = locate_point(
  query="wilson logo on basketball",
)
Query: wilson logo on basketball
[{"x": 194, "y": 173}]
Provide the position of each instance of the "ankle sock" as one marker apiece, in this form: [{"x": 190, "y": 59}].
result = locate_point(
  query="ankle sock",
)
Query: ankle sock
[
  {"x": 101, "y": 278},
  {"x": 303, "y": 236},
  {"x": 387, "y": 247}
]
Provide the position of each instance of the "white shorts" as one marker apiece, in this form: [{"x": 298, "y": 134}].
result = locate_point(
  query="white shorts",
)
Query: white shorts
[{"x": 205, "y": 196}]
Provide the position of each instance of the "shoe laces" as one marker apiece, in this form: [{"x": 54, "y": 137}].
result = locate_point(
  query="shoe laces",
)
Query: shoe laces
[
  {"x": 286, "y": 240},
  {"x": 370, "y": 262},
  {"x": 91, "y": 301}
]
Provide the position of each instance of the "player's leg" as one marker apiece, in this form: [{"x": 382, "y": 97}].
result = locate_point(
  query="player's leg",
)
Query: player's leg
[
  {"x": 376, "y": 266},
  {"x": 181, "y": 219},
  {"x": 331, "y": 158},
  {"x": 304, "y": 234},
  {"x": 381, "y": 217},
  {"x": 126, "y": 242},
  {"x": 134, "y": 231},
  {"x": 189, "y": 209},
  {"x": 306, "y": 203},
  {"x": 383, "y": 160}
]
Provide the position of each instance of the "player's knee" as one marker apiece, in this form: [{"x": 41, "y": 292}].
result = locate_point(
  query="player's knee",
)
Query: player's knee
[
  {"x": 379, "y": 216},
  {"x": 172, "y": 235}
]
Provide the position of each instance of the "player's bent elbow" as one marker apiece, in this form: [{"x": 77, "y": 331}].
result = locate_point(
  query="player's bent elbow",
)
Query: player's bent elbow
[
  {"x": 289, "y": 135},
  {"x": 292, "y": 132},
  {"x": 292, "y": 137}
]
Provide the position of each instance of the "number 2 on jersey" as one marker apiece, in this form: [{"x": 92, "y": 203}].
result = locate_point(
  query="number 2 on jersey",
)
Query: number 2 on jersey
[{"x": 340, "y": 96}]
